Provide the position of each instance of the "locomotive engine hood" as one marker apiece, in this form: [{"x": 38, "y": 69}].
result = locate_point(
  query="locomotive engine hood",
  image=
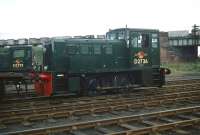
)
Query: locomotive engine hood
[{"x": 4, "y": 59}]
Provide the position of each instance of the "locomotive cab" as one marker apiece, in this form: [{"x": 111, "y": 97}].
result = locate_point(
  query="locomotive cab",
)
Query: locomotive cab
[{"x": 144, "y": 54}]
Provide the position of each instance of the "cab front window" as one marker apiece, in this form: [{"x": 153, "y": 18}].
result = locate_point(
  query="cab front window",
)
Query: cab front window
[
  {"x": 121, "y": 35},
  {"x": 19, "y": 53},
  {"x": 111, "y": 36}
]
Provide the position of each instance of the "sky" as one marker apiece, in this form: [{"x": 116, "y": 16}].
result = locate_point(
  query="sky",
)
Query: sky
[{"x": 47, "y": 18}]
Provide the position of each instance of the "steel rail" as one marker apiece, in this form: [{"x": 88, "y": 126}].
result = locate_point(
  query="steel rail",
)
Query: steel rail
[
  {"x": 137, "y": 94},
  {"x": 78, "y": 109},
  {"x": 66, "y": 106},
  {"x": 119, "y": 121}
]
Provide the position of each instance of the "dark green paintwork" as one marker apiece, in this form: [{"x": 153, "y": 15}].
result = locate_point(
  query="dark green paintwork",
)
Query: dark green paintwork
[
  {"x": 17, "y": 58},
  {"x": 4, "y": 59},
  {"x": 112, "y": 56},
  {"x": 21, "y": 58},
  {"x": 141, "y": 41},
  {"x": 74, "y": 84},
  {"x": 134, "y": 51},
  {"x": 152, "y": 52}
]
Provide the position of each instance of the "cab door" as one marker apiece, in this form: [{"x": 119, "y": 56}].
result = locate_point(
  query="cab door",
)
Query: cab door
[
  {"x": 140, "y": 45},
  {"x": 155, "y": 50},
  {"x": 37, "y": 58}
]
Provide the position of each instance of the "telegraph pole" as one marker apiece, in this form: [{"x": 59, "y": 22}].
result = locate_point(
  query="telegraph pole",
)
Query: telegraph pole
[{"x": 194, "y": 34}]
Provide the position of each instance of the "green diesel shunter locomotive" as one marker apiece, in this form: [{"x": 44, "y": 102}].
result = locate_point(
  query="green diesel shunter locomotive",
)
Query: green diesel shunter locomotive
[
  {"x": 127, "y": 57},
  {"x": 17, "y": 64}
]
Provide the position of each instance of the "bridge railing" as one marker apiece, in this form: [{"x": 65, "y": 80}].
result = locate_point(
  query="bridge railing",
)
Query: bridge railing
[{"x": 184, "y": 41}]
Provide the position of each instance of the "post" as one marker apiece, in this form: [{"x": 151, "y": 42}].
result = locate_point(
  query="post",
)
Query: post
[{"x": 194, "y": 34}]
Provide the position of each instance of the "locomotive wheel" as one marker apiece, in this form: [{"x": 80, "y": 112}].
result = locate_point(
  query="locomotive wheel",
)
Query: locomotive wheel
[
  {"x": 84, "y": 87},
  {"x": 92, "y": 87}
]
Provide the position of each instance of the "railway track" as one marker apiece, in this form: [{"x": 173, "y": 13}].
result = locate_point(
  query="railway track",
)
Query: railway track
[
  {"x": 138, "y": 94},
  {"x": 149, "y": 110},
  {"x": 182, "y": 81},
  {"x": 151, "y": 122},
  {"x": 63, "y": 111},
  {"x": 26, "y": 118}
]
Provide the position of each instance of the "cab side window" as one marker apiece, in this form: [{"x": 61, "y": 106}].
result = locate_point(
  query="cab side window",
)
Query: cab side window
[
  {"x": 140, "y": 41},
  {"x": 134, "y": 42},
  {"x": 145, "y": 41},
  {"x": 154, "y": 40}
]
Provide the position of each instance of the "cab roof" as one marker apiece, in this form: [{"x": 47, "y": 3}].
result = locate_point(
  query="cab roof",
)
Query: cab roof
[{"x": 134, "y": 29}]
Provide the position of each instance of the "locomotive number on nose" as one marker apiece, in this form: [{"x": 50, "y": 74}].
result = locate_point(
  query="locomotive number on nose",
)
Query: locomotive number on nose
[
  {"x": 140, "y": 61},
  {"x": 18, "y": 65}
]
